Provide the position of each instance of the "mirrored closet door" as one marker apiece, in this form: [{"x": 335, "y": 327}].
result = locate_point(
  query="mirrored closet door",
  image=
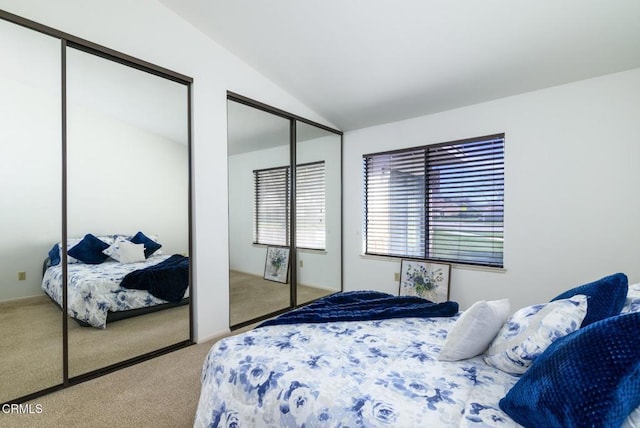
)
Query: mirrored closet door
[
  {"x": 318, "y": 213},
  {"x": 284, "y": 193},
  {"x": 127, "y": 175},
  {"x": 30, "y": 187},
  {"x": 95, "y": 179},
  {"x": 259, "y": 158}
]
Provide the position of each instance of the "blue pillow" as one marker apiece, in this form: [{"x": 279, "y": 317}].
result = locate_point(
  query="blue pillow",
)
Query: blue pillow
[
  {"x": 54, "y": 255},
  {"x": 150, "y": 246},
  {"x": 588, "y": 378},
  {"x": 89, "y": 250},
  {"x": 606, "y": 297}
]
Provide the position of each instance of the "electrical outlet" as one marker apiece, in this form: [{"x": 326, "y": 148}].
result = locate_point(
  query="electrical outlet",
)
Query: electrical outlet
[
  {"x": 396, "y": 276},
  {"x": 22, "y": 276}
]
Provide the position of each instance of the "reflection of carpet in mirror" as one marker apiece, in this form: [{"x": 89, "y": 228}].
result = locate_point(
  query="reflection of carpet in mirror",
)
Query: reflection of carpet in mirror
[
  {"x": 31, "y": 343},
  {"x": 30, "y": 346},
  {"x": 251, "y": 296},
  {"x": 92, "y": 348}
]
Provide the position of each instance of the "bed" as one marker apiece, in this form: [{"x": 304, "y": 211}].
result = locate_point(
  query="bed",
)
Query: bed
[
  {"x": 109, "y": 289},
  {"x": 390, "y": 371}
]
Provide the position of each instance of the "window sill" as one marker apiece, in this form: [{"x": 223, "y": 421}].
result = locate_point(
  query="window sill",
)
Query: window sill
[
  {"x": 453, "y": 265},
  {"x": 301, "y": 250}
]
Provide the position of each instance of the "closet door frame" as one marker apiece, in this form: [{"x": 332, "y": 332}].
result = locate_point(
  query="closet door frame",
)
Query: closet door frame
[
  {"x": 293, "y": 259},
  {"x": 70, "y": 41}
]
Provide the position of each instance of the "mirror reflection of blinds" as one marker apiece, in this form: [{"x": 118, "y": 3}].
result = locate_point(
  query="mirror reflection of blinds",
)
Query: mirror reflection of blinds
[
  {"x": 441, "y": 202},
  {"x": 271, "y": 211},
  {"x": 271, "y": 206},
  {"x": 310, "y": 205}
]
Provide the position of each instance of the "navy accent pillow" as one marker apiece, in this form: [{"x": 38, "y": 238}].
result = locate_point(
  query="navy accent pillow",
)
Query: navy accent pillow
[
  {"x": 605, "y": 297},
  {"x": 150, "y": 246},
  {"x": 89, "y": 250},
  {"x": 588, "y": 378},
  {"x": 54, "y": 255}
]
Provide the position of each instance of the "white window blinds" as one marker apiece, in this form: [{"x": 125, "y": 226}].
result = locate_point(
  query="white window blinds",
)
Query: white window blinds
[
  {"x": 272, "y": 206},
  {"x": 310, "y": 206}
]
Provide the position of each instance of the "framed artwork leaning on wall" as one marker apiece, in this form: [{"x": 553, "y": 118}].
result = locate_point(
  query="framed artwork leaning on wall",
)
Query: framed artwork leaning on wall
[
  {"x": 276, "y": 264},
  {"x": 425, "y": 279}
]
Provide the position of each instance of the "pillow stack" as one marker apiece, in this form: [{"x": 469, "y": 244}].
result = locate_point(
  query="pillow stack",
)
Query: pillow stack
[
  {"x": 578, "y": 357},
  {"x": 590, "y": 378},
  {"x": 93, "y": 249},
  {"x": 136, "y": 249},
  {"x": 586, "y": 377}
]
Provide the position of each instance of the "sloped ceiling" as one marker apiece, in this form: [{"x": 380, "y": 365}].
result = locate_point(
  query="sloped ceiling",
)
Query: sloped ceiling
[{"x": 365, "y": 62}]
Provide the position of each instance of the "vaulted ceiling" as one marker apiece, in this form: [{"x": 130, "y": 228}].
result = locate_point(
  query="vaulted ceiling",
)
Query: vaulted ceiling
[{"x": 364, "y": 62}]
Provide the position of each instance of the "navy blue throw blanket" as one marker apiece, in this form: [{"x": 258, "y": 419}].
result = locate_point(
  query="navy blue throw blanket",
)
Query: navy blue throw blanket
[
  {"x": 167, "y": 280},
  {"x": 364, "y": 306}
]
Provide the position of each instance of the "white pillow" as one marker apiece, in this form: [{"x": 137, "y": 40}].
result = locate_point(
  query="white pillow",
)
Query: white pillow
[
  {"x": 125, "y": 251},
  {"x": 474, "y": 330},
  {"x": 529, "y": 331}
]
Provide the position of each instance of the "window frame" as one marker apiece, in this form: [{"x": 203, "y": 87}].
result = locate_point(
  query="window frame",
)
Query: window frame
[
  {"x": 478, "y": 185},
  {"x": 299, "y": 185},
  {"x": 261, "y": 237}
]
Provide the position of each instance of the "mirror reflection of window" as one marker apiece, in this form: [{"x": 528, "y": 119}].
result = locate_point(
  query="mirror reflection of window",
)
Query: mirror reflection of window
[
  {"x": 271, "y": 206},
  {"x": 318, "y": 212},
  {"x": 258, "y": 147},
  {"x": 261, "y": 210}
]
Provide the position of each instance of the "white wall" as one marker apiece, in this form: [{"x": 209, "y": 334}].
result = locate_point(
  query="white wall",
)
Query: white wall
[
  {"x": 122, "y": 176},
  {"x": 124, "y": 179},
  {"x": 572, "y": 170},
  {"x": 149, "y": 31},
  {"x": 320, "y": 268},
  {"x": 323, "y": 269},
  {"x": 30, "y": 206}
]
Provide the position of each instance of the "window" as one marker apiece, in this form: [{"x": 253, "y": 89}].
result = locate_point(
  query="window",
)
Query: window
[
  {"x": 271, "y": 206},
  {"x": 440, "y": 202},
  {"x": 272, "y": 202},
  {"x": 310, "y": 208}
]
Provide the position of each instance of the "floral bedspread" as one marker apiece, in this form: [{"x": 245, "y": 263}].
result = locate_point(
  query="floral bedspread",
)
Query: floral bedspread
[
  {"x": 94, "y": 290},
  {"x": 348, "y": 374}
]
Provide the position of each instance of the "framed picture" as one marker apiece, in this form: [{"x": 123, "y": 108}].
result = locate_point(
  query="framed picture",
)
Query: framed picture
[
  {"x": 276, "y": 264},
  {"x": 425, "y": 279}
]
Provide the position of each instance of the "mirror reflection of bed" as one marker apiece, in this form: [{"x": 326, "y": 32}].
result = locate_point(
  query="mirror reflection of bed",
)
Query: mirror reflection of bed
[
  {"x": 126, "y": 163},
  {"x": 259, "y": 148},
  {"x": 119, "y": 285},
  {"x": 127, "y": 172}
]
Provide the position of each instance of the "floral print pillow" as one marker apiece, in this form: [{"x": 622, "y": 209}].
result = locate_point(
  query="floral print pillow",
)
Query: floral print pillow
[
  {"x": 632, "y": 304},
  {"x": 529, "y": 331}
]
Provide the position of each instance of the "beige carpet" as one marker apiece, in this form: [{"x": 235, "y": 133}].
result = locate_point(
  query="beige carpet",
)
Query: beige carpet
[
  {"x": 91, "y": 348},
  {"x": 251, "y": 296},
  {"x": 162, "y": 392},
  {"x": 31, "y": 343},
  {"x": 30, "y": 346}
]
